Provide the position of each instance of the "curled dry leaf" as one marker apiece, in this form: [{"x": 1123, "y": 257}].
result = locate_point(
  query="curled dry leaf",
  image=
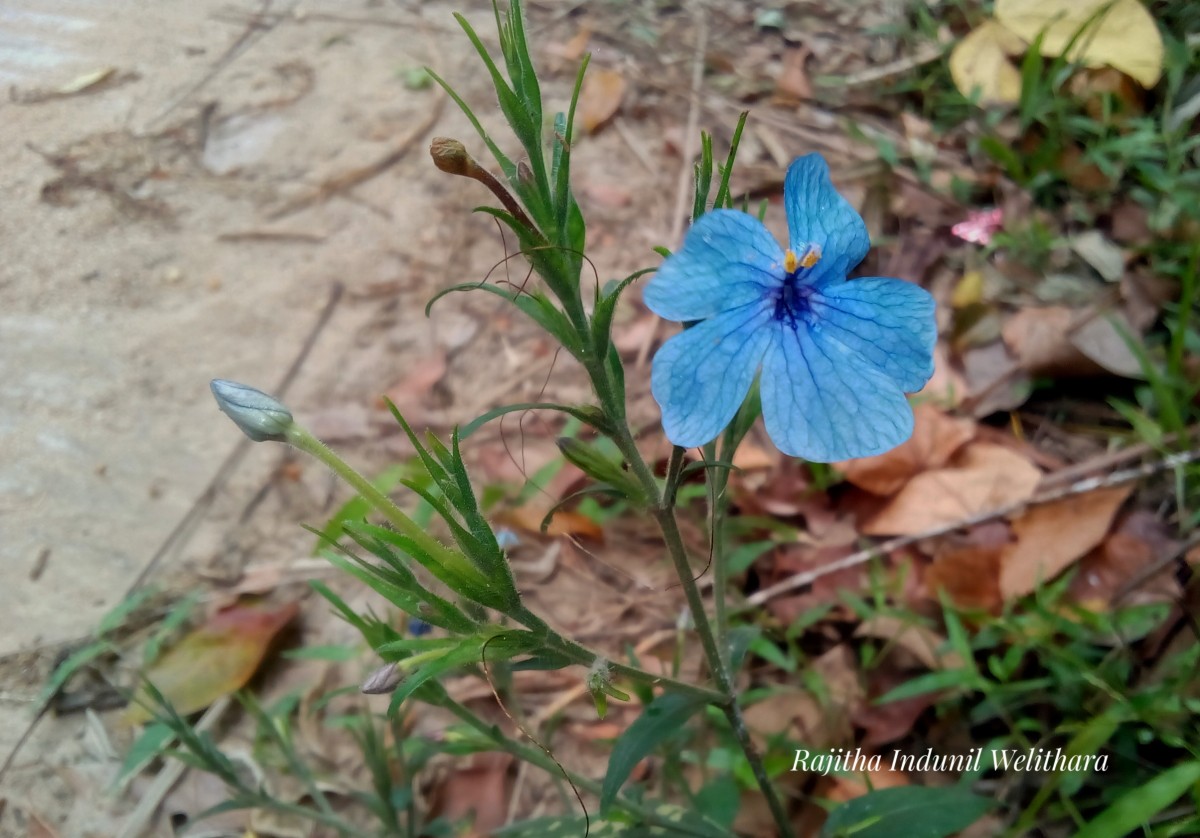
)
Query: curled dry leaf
[
  {"x": 1119, "y": 33},
  {"x": 936, "y": 436},
  {"x": 1102, "y": 254},
  {"x": 981, "y": 478},
  {"x": 1138, "y": 540},
  {"x": 1051, "y": 536},
  {"x": 995, "y": 380}
]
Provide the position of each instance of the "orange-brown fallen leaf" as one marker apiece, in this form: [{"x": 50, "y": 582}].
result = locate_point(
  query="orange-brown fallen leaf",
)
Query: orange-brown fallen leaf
[
  {"x": 793, "y": 85},
  {"x": 529, "y": 517},
  {"x": 1136, "y": 542},
  {"x": 982, "y": 477},
  {"x": 969, "y": 575},
  {"x": 1052, "y": 536},
  {"x": 791, "y": 560},
  {"x": 600, "y": 99},
  {"x": 480, "y": 790},
  {"x": 215, "y": 659},
  {"x": 802, "y": 716},
  {"x": 935, "y": 438}
]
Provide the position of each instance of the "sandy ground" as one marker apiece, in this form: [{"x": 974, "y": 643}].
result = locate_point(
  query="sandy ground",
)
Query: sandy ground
[{"x": 148, "y": 249}]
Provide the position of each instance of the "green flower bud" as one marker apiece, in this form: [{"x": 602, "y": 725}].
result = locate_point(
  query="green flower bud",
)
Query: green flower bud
[{"x": 260, "y": 417}]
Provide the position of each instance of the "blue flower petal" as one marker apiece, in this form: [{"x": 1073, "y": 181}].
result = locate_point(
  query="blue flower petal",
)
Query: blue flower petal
[
  {"x": 701, "y": 375},
  {"x": 818, "y": 215},
  {"x": 822, "y": 401},
  {"x": 728, "y": 259},
  {"x": 888, "y": 322}
]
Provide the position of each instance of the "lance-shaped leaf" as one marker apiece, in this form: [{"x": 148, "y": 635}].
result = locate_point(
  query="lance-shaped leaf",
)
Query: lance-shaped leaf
[{"x": 662, "y": 719}]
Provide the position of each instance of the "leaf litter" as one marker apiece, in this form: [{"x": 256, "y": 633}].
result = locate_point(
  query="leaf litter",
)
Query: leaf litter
[{"x": 949, "y": 473}]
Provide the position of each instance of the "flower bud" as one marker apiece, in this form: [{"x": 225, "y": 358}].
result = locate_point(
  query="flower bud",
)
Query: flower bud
[
  {"x": 524, "y": 174},
  {"x": 451, "y": 156},
  {"x": 260, "y": 417},
  {"x": 383, "y": 680}
]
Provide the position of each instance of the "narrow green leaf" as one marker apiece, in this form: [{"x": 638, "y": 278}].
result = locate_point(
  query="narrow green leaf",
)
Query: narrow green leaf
[
  {"x": 151, "y": 744},
  {"x": 931, "y": 682},
  {"x": 585, "y": 413},
  {"x": 660, "y": 720},
  {"x": 1136, "y": 808},
  {"x": 911, "y": 811}
]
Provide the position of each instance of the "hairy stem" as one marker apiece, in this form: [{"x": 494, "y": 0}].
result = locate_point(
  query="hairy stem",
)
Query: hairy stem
[
  {"x": 663, "y": 509},
  {"x": 543, "y": 761}
]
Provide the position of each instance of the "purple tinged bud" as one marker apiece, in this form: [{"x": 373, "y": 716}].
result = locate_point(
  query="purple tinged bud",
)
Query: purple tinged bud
[
  {"x": 259, "y": 416},
  {"x": 383, "y": 680}
]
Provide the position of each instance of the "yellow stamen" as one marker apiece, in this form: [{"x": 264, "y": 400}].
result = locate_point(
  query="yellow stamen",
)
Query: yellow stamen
[
  {"x": 811, "y": 258},
  {"x": 790, "y": 262}
]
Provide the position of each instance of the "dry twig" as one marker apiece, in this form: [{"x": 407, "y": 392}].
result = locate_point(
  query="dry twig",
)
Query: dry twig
[{"x": 1087, "y": 484}]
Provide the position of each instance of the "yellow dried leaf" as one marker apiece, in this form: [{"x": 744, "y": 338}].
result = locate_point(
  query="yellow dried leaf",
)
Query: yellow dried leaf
[
  {"x": 969, "y": 290},
  {"x": 1120, "y": 34},
  {"x": 980, "y": 63}
]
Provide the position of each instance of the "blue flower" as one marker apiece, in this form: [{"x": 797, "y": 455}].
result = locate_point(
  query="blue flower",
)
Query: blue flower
[{"x": 837, "y": 356}]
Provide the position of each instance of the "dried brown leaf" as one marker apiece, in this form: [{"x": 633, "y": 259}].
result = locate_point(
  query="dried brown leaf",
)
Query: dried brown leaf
[
  {"x": 1052, "y": 536},
  {"x": 793, "y": 85},
  {"x": 480, "y": 791},
  {"x": 983, "y": 477},
  {"x": 529, "y": 517},
  {"x": 410, "y": 392},
  {"x": 1137, "y": 541},
  {"x": 923, "y": 643},
  {"x": 970, "y": 576},
  {"x": 883, "y": 723},
  {"x": 601, "y": 97},
  {"x": 215, "y": 659},
  {"x": 936, "y": 436}
]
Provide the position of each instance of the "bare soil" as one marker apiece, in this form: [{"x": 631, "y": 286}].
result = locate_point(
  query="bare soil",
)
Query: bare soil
[{"x": 195, "y": 214}]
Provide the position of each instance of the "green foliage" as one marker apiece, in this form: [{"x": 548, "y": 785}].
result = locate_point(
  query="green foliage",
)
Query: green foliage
[
  {"x": 913, "y": 811},
  {"x": 662, "y": 719}
]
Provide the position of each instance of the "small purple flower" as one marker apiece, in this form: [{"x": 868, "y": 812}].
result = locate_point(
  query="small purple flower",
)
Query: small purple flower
[{"x": 836, "y": 356}]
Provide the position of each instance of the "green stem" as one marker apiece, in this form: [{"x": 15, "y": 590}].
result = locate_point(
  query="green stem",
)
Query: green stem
[
  {"x": 306, "y": 442},
  {"x": 715, "y": 481},
  {"x": 664, "y": 514},
  {"x": 546, "y": 763},
  {"x": 583, "y": 656}
]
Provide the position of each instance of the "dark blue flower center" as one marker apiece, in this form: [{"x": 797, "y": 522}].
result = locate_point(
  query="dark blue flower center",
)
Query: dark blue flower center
[{"x": 792, "y": 299}]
